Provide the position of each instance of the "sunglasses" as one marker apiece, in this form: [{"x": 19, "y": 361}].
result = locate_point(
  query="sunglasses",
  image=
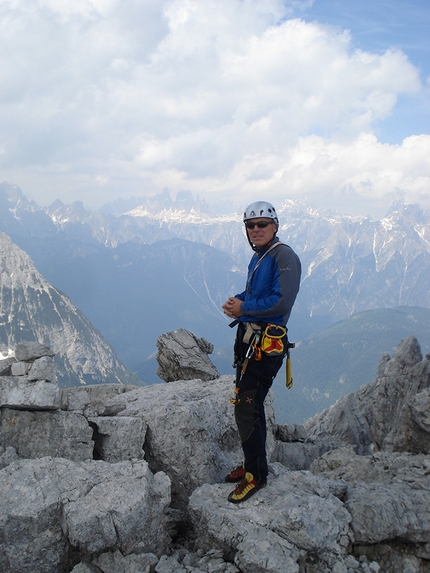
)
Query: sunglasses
[{"x": 260, "y": 224}]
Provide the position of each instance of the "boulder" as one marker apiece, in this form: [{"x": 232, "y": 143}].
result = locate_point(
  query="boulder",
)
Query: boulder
[
  {"x": 52, "y": 509},
  {"x": 19, "y": 368},
  {"x": 191, "y": 433},
  {"x": 6, "y": 365},
  {"x": 42, "y": 369},
  {"x": 30, "y": 351},
  {"x": 182, "y": 356},
  {"x": 296, "y": 455},
  {"x": 31, "y": 382},
  {"x": 91, "y": 400},
  {"x": 20, "y": 392},
  {"x": 118, "y": 438},
  {"x": 39, "y": 434},
  {"x": 388, "y": 498},
  {"x": 265, "y": 535}
]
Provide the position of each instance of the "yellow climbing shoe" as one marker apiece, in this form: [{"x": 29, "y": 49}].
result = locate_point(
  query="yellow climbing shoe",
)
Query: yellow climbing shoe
[{"x": 247, "y": 487}]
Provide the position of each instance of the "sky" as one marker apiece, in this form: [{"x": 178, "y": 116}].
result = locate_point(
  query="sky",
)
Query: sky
[{"x": 326, "y": 101}]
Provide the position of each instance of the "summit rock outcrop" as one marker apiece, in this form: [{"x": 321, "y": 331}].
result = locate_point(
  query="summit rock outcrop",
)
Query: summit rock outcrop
[{"x": 348, "y": 492}]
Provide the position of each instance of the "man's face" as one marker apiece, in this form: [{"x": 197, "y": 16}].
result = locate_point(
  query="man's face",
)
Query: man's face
[{"x": 260, "y": 236}]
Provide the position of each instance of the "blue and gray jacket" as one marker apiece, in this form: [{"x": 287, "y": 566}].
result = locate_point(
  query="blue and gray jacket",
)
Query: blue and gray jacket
[{"x": 272, "y": 285}]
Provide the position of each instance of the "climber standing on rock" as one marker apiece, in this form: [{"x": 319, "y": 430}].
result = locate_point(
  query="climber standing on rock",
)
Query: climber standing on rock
[{"x": 261, "y": 312}]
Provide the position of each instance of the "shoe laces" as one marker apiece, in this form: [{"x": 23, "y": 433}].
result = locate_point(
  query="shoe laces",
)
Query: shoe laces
[{"x": 242, "y": 485}]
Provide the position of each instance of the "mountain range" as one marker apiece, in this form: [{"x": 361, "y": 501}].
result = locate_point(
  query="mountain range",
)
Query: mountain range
[
  {"x": 33, "y": 310},
  {"x": 143, "y": 266}
]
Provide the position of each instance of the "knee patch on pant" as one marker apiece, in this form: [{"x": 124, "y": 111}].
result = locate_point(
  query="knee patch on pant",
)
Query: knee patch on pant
[{"x": 244, "y": 414}]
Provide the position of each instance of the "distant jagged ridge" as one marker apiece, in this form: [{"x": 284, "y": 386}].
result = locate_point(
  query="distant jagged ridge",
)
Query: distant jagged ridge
[
  {"x": 350, "y": 264},
  {"x": 33, "y": 310}
]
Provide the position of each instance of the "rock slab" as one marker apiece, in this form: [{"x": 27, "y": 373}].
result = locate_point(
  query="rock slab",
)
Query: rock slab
[{"x": 182, "y": 356}]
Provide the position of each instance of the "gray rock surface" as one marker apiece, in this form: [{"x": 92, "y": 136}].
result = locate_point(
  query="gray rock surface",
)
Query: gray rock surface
[
  {"x": 7, "y": 456},
  {"x": 388, "y": 498},
  {"x": 297, "y": 455},
  {"x": 32, "y": 383},
  {"x": 266, "y": 535},
  {"x": 36, "y": 434},
  {"x": 42, "y": 369},
  {"x": 30, "y": 351},
  {"x": 118, "y": 438},
  {"x": 191, "y": 432},
  {"x": 51, "y": 506},
  {"x": 20, "y": 392},
  {"x": 348, "y": 492},
  {"x": 91, "y": 399},
  {"x": 383, "y": 415},
  {"x": 6, "y": 365},
  {"x": 182, "y": 356}
]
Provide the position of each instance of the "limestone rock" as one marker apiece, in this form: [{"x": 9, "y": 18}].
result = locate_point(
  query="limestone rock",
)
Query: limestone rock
[
  {"x": 20, "y": 368},
  {"x": 92, "y": 398},
  {"x": 116, "y": 562},
  {"x": 7, "y": 456},
  {"x": 182, "y": 356},
  {"x": 350, "y": 513},
  {"x": 291, "y": 433},
  {"x": 51, "y": 505},
  {"x": 32, "y": 383},
  {"x": 6, "y": 365},
  {"x": 268, "y": 536},
  {"x": 118, "y": 438},
  {"x": 183, "y": 561},
  {"x": 30, "y": 351},
  {"x": 191, "y": 432},
  {"x": 388, "y": 497},
  {"x": 293, "y": 449},
  {"x": 40, "y": 434},
  {"x": 382, "y": 413},
  {"x": 20, "y": 392},
  {"x": 296, "y": 455},
  {"x": 413, "y": 431},
  {"x": 381, "y": 513},
  {"x": 42, "y": 369}
]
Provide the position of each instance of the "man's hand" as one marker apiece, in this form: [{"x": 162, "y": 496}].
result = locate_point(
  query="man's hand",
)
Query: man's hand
[{"x": 232, "y": 307}]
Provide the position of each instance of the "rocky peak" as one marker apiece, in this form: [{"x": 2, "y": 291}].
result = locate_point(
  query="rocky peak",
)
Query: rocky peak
[{"x": 34, "y": 310}]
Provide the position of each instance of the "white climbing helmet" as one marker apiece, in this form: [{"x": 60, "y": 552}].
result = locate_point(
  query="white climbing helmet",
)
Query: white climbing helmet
[{"x": 260, "y": 209}]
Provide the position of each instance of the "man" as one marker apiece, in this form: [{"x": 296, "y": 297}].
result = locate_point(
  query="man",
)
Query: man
[{"x": 262, "y": 312}]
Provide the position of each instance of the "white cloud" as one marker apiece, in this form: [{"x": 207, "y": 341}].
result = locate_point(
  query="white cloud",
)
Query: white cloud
[{"x": 216, "y": 96}]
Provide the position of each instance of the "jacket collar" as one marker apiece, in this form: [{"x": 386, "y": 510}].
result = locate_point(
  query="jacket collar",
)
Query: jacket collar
[{"x": 267, "y": 246}]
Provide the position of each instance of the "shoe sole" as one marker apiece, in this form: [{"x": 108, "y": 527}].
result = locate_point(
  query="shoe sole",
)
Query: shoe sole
[{"x": 246, "y": 496}]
